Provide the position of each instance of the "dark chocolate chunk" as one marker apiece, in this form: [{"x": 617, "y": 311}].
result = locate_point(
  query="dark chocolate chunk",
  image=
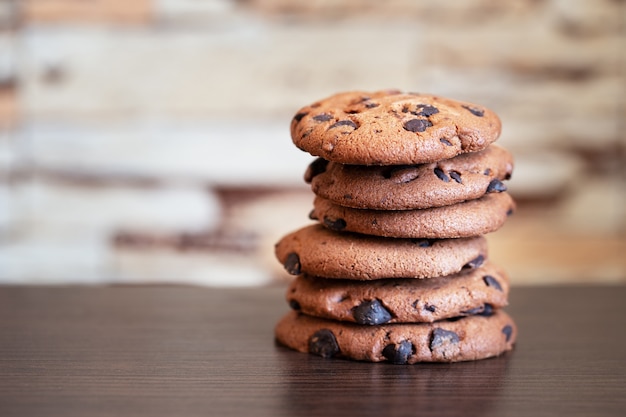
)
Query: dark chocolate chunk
[
  {"x": 474, "y": 263},
  {"x": 398, "y": 354},
  {"x": 487, "y": 310},
  {"x": 484, "y": 310},
  {"x": 312, "y": 215},
  {"x": 441, "y": 175},
  {"x": 496, "y": 186},
  {"x": 441, "y": 337},
  {"x": 417, "y": 125},
  {"x": 510, "y": 211},
  {"x": 315, "y": 168},
  {"x": 343, "y": 123},
  {"x": 324, "y": 117},
  {"x": 456, "y": 176},
  {"x": 427, "y": 110},
  {"x": 294, "y": 305},
  {"x": 475, "y": 111},
  {"x": 323, "y": 343},
  {"x": 371, "y": 105},
  {"x": 508, "y": 331},
  {"x": 414, "y": 304},
  {"x": 299, "y": 116},
  {"x": 445, "y": 141},
  {"x": 347, "y": 197},
  {"x": 292, "y": 263},
  {"x": 430, "y": 308},
  {"x": 336, "y": 225},
  {"x": 492, "y": 282},
  {"x": 371, "y": 312},
  {"x": 487, "y": 171}
]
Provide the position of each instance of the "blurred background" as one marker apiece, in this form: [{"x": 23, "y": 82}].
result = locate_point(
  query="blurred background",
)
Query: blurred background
[{"x": 148, "y": 140}]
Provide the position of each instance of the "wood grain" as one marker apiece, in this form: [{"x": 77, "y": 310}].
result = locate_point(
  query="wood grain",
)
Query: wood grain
[{"x": 152, "y": 351}]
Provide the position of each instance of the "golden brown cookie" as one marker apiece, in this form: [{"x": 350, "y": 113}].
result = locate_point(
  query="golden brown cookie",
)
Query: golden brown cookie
[
  {"x": 315, "y": 250},
  {"x": 468, "y": 338},
  {"x": 392, "y": 128},
  {"x": 405, "y": 187},
  {"x": 401, "y": 300},
  {"x": 470, "y": 218}
]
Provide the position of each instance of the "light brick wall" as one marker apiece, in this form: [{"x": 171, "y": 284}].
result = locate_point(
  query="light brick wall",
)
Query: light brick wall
[{"x": 147, "y": 141}]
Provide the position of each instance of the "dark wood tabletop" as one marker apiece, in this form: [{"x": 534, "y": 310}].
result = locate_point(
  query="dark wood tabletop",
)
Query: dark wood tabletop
[{"x": 187, "y": 351}]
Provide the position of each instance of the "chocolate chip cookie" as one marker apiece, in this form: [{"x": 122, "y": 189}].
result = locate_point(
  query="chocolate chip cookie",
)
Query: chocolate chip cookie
[
  {"x": 470, "y": 218},
  {"x": 467, "y": 338},
  {"x": 406, "y": 187},
  {"x": 392, "y": 128},
  {"x": 401, "y": 300},
  {"x": 318, "y": 251}
]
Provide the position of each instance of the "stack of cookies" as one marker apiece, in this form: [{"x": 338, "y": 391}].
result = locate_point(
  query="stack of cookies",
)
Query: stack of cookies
[{"x": 396, "y": 268}]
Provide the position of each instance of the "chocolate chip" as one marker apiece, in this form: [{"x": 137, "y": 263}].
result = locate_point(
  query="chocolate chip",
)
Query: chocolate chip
[
  {"x": 299, "y": 116},
  {"x": 315, "y": 168},
  {"x": 343, "y": 123},
  {"x": 445, "y": 141},
  {"x": 292, "y": 263},
  {"x": 312, "y": 215},
  {"x": 475, "y": 111},
  {"x": 430, "y": 308},
  {"x": 474, "y": 263},
  {"x": 510, "y": 211},
  {"x": 414, "y": 304},
  {"x": 483, "y": 310},
  {"x": 487, "y": 171},
  {"x": 492, "y": 282},
  {"x": 324, "y": 117},
  {"x": 441, "y": 175},
  {"x": 508, "y": 332},
  {"x": 323, "y": 343},
  {"x": 456, "y": 176},
  {"x": 496, "y": 186},
  {"x": 371, "y": 105},
  {"x": 398, "y": 354},
  {"x": 441, "y": 338},
  {"x": 336, "y": 225},
  {"x": 427, "y": 110},
  {"x": 487, "y": 311},
  {"x": 347, "y": 197},
  {"x": 294, "y": 305},
  {"x": 417, "y": 125},
  {"x": 371, "y": 312}
]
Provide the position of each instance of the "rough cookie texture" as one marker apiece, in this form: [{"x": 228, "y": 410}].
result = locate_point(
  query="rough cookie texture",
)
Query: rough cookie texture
[
  {"x": 317, "y": 251},
  {"x": 406, "y": 187},
  {"x": 468, "y": 338},
  {"x": 392, "y": 128},
  {"x": 401, "y": 300},
  {"x": 470, "y": 218}
]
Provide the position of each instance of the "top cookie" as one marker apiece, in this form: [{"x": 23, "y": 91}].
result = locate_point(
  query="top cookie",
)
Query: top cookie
[{"x": 392, "y": 128}]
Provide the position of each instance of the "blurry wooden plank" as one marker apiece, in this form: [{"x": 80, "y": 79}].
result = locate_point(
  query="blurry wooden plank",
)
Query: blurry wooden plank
[
  {"x": 546, "y": 260},
  {"x": 245, "y": 153},
  {"x": 237, "y": 72},
  {"x": 8, "y": 107},
  {"x": 95, "y": 11}
]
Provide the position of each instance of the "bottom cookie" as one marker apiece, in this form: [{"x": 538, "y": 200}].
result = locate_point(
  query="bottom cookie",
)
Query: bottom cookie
[{"x": 465, "y": 339}]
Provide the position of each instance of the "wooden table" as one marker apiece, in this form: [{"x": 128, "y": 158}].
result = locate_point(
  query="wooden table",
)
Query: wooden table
[{"x": 184, "y": 351}]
